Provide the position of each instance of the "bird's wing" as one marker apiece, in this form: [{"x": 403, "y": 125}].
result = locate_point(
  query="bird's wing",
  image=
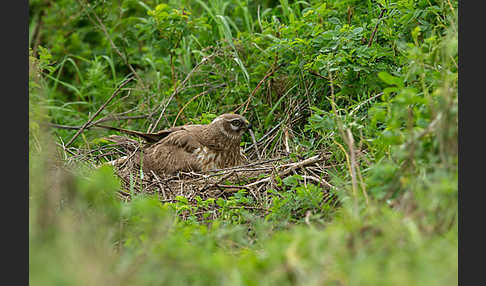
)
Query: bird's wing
[
  {"x": 198, "y": 131},
  {"x": 183, "y": 137}
]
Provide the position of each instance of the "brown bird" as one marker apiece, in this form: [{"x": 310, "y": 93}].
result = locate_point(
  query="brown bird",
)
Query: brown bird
[{"x": 190, "y": 147}]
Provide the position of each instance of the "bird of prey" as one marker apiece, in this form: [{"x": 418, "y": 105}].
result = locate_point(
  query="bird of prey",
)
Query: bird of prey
[{"x": 190, "y": 147}]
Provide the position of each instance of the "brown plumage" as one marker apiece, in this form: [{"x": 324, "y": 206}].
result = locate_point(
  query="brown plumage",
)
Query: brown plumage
[{"x": 191, "y": 147}]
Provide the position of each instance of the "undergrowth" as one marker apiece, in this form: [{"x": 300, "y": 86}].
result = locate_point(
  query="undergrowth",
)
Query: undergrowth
[{"x": 371, "y": 83}]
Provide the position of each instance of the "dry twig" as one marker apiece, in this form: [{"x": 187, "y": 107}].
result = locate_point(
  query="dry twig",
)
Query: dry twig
[
  {"x": 194, "y": 97},
  {"x": 179, "y": 88},
  {"x": 98, "y": 111},
  {"x": 293, "y": 167},
  {"x": 252, "y": 94}
]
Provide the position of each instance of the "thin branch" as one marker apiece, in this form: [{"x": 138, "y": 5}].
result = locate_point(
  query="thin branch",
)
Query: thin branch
[
  {"x": 252, "y": 94},
  {"x": 354, "y": 165},
  {"x": 370, "y": 41},
  {"x": 255, "y": 144},
  {"x": 293, "y": 167},
  {"x": 364, "y": 102},
  {"x": 98, "y": 111},
  {"x": 453, "y": 11},
  {"x": 318, "y": 180},
  {"x": 105, "y": 31},
  {"x": 179, "y": 88},
  {"x": 317, "y": 74},
  {"x": 248, "y": 165},
  {"x": 193, "y": 98},
  {"x": 345, "y": 138},
  {"x": 427, "y": 130},
  {"x": 264, "y": 136}
]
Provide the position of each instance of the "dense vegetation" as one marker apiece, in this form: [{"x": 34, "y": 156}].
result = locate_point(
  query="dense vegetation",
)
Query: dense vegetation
[{"x": 371, "y": 83}]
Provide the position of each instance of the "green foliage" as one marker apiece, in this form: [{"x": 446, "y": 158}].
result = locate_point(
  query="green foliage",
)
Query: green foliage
[
  {"x": 383, "y": 72},
  {"x": 99, "y": 192},
  {"x": 299, "y": 201}
]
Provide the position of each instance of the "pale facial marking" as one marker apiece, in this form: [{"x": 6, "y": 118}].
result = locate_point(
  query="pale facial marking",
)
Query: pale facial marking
[
  {"x": 216, "y": 119},
  {"x": 227, "y": 134}
]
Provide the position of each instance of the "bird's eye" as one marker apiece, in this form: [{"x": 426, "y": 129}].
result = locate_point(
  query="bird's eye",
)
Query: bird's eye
[{"x": 236, "y": 123}]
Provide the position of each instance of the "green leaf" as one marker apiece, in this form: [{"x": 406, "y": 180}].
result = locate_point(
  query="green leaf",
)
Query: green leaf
[{"x": 389, "y": 79}]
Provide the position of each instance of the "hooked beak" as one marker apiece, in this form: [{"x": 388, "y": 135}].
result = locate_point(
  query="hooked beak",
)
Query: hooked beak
[{"x": 248, "y": 126}]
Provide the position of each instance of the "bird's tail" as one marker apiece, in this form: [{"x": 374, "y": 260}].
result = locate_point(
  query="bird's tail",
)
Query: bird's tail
[
  {"x": 148, "y": 137},
  {"x": 124, "y": 142}
]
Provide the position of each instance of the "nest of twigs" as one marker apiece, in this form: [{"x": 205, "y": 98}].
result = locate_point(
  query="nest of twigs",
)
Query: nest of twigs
[{"x": 256, "y": 178}]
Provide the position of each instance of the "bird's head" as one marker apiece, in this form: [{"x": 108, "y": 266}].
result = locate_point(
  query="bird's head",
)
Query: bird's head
[{"x": 232, "y": 125}]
